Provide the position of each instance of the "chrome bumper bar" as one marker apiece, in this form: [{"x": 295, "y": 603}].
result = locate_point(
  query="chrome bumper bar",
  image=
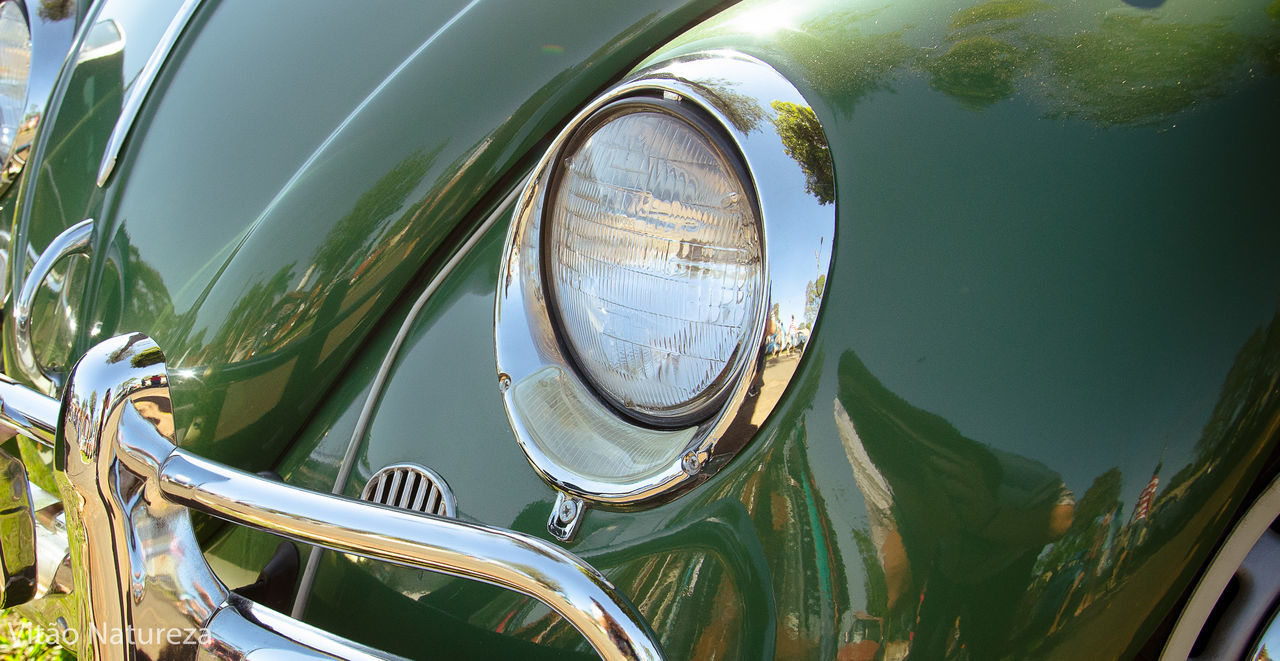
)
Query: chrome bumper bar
[{"x": 134, "y": 583}]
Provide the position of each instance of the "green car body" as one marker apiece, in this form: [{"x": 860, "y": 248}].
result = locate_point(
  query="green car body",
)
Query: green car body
[{"x": 1054, "y": 285}]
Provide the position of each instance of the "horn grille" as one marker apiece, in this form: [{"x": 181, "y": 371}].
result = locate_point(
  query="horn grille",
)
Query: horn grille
[{"x": 411, "y": 487}]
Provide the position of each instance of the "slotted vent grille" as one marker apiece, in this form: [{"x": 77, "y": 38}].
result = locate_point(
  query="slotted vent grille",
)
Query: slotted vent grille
[{"x": 411, "y": 487}]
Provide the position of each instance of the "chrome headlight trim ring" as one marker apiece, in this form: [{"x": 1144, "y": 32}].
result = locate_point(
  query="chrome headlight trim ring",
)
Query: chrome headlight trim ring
[
  {"x": 748, "y": 99},
  {"x": 51, "y": 41}
]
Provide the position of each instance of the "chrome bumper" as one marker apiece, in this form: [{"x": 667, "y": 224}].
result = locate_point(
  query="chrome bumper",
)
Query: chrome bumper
[{"x": 129, "y": 579}]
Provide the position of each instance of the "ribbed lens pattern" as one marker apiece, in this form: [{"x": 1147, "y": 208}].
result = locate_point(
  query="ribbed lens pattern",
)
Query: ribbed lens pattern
[
  {"x": 15, "y": 64},
  {"x": 655, "y": 262}
]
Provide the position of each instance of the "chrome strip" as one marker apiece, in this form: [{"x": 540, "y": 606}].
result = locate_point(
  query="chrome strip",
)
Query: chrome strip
[
  {"x": 247, "y": 614},
  {"x": 421, "y": 496},
  {"x": 384, "y": 375},
  {"x": 20, "y": 248},
  {"x": 503, "y": 558},
  {"x": 138, "y": 567},
  {"x": 798, "y": 227},
  {"x": 77, "y": 239},
  {"x": 230, "y": 636},
  {"x": 1246, "y": 533},
  {"x": 395, "y": 485},
  {"x": 28, "y": 412},
  {"x": 141, "y": 87}
]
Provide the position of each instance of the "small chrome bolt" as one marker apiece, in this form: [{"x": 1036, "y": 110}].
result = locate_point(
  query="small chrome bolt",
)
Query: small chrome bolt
[
  {"x": 568, "y": 510},
  {"x": 566, "y": 516},
  {"x": 504, "y": 381},
  {"x": 690, "y": 463}
]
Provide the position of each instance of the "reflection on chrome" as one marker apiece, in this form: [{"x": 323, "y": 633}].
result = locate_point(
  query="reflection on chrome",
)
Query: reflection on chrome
[
  {"x": 75, "y": 240},
  {"x": 138, "y": 568},
  {"x": 51, "y": 35},
  {"x": 994, "y": 513},
  {"x": 554, "y": 411},
  {"x": 1250, "y": 557},
  {"x": 17, "y": 519}
]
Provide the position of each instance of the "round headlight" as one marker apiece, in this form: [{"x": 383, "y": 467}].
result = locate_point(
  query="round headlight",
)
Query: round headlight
[
  {"x": 635, "y": 356},
  {"x": 653, "y": 260},
  {"x": 15, "y": 67}
]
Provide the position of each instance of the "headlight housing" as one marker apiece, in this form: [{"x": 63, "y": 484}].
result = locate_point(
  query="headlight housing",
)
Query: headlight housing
[
  {"x": 15, "y": 72},
  {"x": 637, "y": 312}
]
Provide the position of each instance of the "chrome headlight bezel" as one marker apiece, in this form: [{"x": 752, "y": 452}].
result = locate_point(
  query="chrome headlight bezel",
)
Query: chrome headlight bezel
[
  {"x": 13, "y": 125},
  {"x": 51, "y": 39},
  {"x": 740, "y": 94}
]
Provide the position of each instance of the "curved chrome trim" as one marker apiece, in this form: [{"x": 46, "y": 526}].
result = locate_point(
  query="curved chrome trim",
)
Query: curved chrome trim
[
  {"x": 303, "y": 633},
  {"x": 76, "y": 239},
  {"x": 32, "y": 414},
  {"x": 1269, "y": 634},
  {"x": 503, "y": 558},
  {"x": 21, "y": 252},
  {"x": 742, "y": 94},
  {"x": 1246, "y": 533},
  {"x": 141, "y": 87},
  {"x": 445, "y": 500},
  {"x": 51, "y": 41},
  {"x": 138, "y": 567}
]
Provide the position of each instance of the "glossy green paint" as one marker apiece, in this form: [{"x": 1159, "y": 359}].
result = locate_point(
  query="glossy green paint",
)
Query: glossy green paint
[
  {"x": 56, "y": 190},
  {"x": 1054, "y": 273},
  {"x": 53, "y": 31},
  {"x": 261, "y": 218},
  {"x": 1054, "y": 280}
]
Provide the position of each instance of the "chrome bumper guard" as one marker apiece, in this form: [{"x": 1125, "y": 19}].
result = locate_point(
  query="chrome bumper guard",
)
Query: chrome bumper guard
[{"x": 122, "y": 576}]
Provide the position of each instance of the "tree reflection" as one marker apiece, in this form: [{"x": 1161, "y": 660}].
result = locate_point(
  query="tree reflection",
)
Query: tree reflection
[
  {"x": 970, "y": 544},
  {"x": 742, "y": 110},
  {"x": 951, "y": 519},
  {"x": 56, "y": 10},
  {"x": 835, "y": 53},
  {"x": 813, "y": 298},
  {"x": 804, "y": 141},
  {"x": 1139, "y": 70},
  {"x": 1119, "y": 69},
  {"x": 995, "y": 10},
  {"x": 977, "y": 71},
  {"x": 375, "y": 206}
]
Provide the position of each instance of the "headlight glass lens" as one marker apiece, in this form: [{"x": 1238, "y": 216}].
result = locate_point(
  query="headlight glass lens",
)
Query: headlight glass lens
[
  {"x": 654, "y": 262},
  {"x": 15, "y": 67}
]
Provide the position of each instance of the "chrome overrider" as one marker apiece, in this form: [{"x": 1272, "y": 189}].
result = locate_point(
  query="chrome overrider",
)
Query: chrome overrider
[{"x": 139, "y": 586}]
